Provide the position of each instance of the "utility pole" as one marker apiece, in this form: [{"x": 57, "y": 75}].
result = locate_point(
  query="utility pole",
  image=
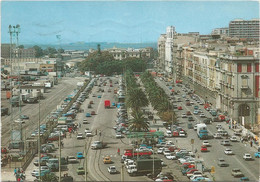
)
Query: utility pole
[
  {"x": 153, "y": 162},
  {"x": 11, "y": 31},
  {"x": 86, "y": 166},
  {"x": 59, "y": 156},
  {"x": 39, "y": 143},
  {"x": 122, "y": 173}
]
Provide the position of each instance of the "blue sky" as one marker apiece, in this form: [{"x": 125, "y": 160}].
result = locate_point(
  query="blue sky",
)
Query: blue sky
[{"x": 117, "y": 21}]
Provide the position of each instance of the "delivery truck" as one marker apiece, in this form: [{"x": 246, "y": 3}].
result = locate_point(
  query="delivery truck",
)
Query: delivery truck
[
  {"x": 202, "y": 131},
  {"x": 107, "y": 104},
  {"x": 145, "y": 166}
]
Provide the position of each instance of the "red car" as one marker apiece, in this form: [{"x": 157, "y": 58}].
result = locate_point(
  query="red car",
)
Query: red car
[
  {"x": 203, "y": 148},
  {"x": 179, "y": 108},
  {"x": 188, "y": 113}
]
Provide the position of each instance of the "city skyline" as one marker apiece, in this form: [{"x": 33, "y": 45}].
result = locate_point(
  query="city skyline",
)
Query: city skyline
[{"x": 116, "y": 21}]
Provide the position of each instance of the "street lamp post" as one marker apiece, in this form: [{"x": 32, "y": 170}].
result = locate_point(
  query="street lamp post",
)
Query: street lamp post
[{"x": 11, "y": 32}]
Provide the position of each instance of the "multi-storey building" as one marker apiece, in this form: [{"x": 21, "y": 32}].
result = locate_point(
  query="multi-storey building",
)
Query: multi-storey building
[
  {"x": 220, "y": 31},
  {"x": 161, "y": 52},
  {"x": 230, "y": 81},
  {"x": 244, "y": 28},
  {"x": 121, "y": 53},
  {"x": 170, "y": 31}
]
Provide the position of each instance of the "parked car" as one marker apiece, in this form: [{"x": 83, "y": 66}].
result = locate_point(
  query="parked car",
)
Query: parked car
[
  {"x": 190, "y": 118},
  {"x": 179, "y": 108}
]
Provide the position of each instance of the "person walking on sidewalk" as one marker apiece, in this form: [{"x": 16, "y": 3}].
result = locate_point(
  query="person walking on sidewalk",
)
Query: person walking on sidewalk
[{"x": 15, "y": 171}]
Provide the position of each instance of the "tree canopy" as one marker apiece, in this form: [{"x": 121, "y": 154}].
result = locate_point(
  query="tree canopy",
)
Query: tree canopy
[{"x": 104, "y": 63}]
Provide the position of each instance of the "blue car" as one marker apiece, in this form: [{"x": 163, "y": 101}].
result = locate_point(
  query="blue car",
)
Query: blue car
[
  {"x": 244, "y": 179},
  {"x": 113, "y": 104},
  {"x": 80, "y": 155},
  {"x": 88, "y": 114},
  {"x": 99, "y": 96},
  {"x": 257, "y": 155}
]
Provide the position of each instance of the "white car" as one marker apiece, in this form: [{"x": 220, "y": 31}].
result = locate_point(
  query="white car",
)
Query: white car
[
  {"x": 233, "y": 139},
  {"x": 194, "y": 174},
  {"x": 85, "y": 121},
  {"x": 160, "y": 150},
  {"x": 195, "y": 127},
  {"x": 184, "y": 115},
  {"x": 170, "y": 157},
  {"x": 247, "y": 156},
  {"x": 72, "y": 159},
  {"x": 228, "y": 151},
  {"x": 166, "y": 151},
  {"x": 112, "y": 170},
  {"x": 88, "y": 134},
  {"x": 202, "y": 115},
  {"x": 80, "y": 136},
  {"x": 186, "y": 159},
  {"x": 19, "y": 121},
  {"x": 119, "y": 135},
  {"x": 206, "y": 143},
  {"x": 43, "y": 168},
  {"x": 182, "y": 134},
  {"x": 193, "y": 177}
]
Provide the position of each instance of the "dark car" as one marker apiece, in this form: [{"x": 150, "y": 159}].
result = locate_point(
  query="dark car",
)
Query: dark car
[
  {"x": 190, "y": 118},
  {"x": 207, "y": 121}
]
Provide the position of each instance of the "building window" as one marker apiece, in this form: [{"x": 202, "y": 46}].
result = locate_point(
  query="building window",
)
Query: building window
[
  {"x": 256, "y": 67},
  {"x": 249, "y": 67},
  {"x": 239, "y": 67},
  {"x": 257, "y": 88}
]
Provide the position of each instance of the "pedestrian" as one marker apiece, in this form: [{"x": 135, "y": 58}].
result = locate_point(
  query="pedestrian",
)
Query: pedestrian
[
  {"x": 18, "y": 179},
  {"x": 99, "y": 133},
  {"x": 251, "y": 143},
  {"x": 15, "y": 171},
  {"x": 195, "y": 151},
  {"x": 19, "y": 170},
  {"x": 80, "y": 125},
  {"x": 96, "y": 131}
]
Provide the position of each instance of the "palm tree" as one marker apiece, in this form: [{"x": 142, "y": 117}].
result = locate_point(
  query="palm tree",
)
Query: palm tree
[
  {"x": 136, "y": 98},
  {"x": 138, "y": 123},
  {"x": 51, "y": 177}
]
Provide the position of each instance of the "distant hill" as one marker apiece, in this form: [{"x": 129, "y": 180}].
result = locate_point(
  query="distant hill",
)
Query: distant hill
[{"x": 93, "y": 45}]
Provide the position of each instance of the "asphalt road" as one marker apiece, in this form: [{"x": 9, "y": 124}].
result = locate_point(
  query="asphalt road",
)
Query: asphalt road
[
  {"x": 104, "y": 120},
  {"x": 249, "y": 168},
  {"x": 52, "y": 98}
]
